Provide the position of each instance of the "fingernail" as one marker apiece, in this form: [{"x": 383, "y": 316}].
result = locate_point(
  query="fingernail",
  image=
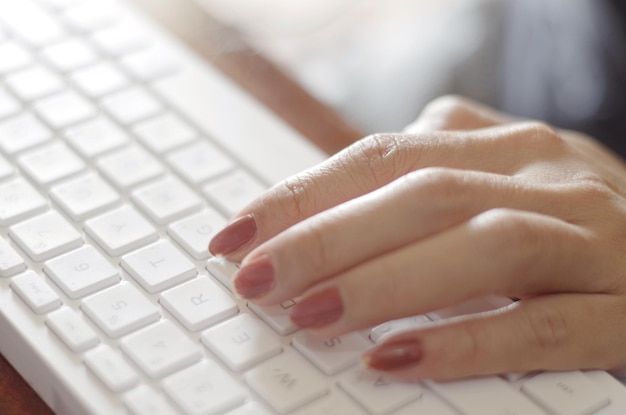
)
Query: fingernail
[
  {"x": 394, "y": 355},
  {"x": 255, "y": 279},
  {"x": 234, "y": 236},
  {"x": 319, "y": 309}
]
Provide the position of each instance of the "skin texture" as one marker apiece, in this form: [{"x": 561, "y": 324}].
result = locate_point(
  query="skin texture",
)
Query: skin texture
[{"x": 467, "y": 203}]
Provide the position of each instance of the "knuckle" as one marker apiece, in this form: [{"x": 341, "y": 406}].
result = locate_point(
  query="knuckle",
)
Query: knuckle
[
  {"x": 547, "y": 328},
  {"x": 296, "y": 194},
  {"x": 448, "y": 109},
  {"x": 318, "y": 250},
  {"x": 438, "y": 185},
  {"x": 383, "y": 155},
  {"x": 539, "y": 136}
]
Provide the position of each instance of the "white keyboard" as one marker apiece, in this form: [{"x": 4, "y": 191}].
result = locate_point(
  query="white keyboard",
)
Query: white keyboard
[{"x": 121, "y": 154}]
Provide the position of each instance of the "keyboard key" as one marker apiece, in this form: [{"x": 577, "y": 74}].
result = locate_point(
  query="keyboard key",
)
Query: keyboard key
[
  {"x": 200, "y": 162},
  {"x": 198, "y": 303},
  {"x": 395, "y": 326},
  {"x": 51, "y": 163},
  {"x": 332, "y": 355},
  {"x": 149, "y": 64},
  {"x": 81, "y": 272},
  {"x": 120, "y": 310},
  {"x": 34, "y": 82},
  {"x": 28, "y": 21},
  {"x": 69, "y": 55},
  {"x": 144, "y": 400},
  {"x": 276, "y": 316},
  {"x": 131, "y": 105},
  {"x": 204, "y": 388},
  {"x": 100, "y": 79},
  {"x": 22, "y": 132},
  {"x": 233, "y": 192},
  {"x": 120, "y": 39},
  {"x": 251, "y": 408},
  {"x": 195, "y": 232},
  {"x": 378, "y": 394},
  {"x": 35, "y": 292},
  {"x": 130, "y": 167},
  {"x": 18, "y": 201},
  {"x": 85, "y": 196},
  {"x": 503, "y": 398},
  {"x": 95, "y": 137},
  {"x": 242, "y": 342},
  {"x": 166, "y": 200},
  {"x": 91, "y": 15},
  {"x": 286, "y": 382},
  {"x": 8, "y": 105},
  {"x": 161, "y": 349},
  {"x": 6, "y": 169},
  {"x": 45, "y": 236},
  {"x": 13, "y": 57},
  {"x": 109, "y": 366},
  {"x": 11, "y": 262},
  {"x": 121, "y": 231},
  {"x": 566, "y": 393},
  {"x": 64, "y": 109},
  {"x": 72, "y": 330},
  {"x": 158, "y": 266},
  {"x": 164, "y": 132},
  {"x": 429, "y": 404},
  {"x": 338, "y": 404}
]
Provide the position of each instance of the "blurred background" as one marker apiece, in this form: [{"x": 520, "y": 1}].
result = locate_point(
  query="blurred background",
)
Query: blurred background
[{"x": 379, "y": 62}]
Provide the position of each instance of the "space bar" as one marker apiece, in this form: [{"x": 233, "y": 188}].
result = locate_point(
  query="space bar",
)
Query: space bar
[{"x": 238, "y": 123}]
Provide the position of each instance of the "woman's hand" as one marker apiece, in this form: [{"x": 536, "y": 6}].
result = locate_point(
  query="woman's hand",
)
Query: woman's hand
[{"x": 468, "y": 205}]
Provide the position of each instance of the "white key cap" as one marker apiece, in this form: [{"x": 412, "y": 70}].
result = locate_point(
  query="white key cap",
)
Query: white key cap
[
  {"x": 336, "y": 404},
  {"x": 64, "y": 109},
  {"x": 158, "y": 266},
  {"x": 45, "y": 236},
  {"x": 69, "y": 55},
  {"x": 566, "y": 393},
  {"x": 22, "y": 132},
  {"x": 120, "y": 39},
  {"x": 130, "y": 167},
  {"x": 332, "y": 355},
  {"x": 167, "y": 200},
  {"x": 51, "y": 163},
  {"x": 204, "y": 389},
  {"x": 58, "y": 5},
  {"x": 251, "y": 408},
  {"x": 18, "y": 201},
  {"x": 376, "y": 393},
  {"x": 286, "y": 382},
  {"x": 200, "y": 162},
  {"x": 100, "y": 79},
  {"x": 34, "y": 82},
  {"x": 164, "y": 132},
  {"x": 233, "y": 192},
  {"x": 120, "y": 310},
  {"x": 242, "y": 341},
  {"x": 13, "y": 57},
  {"x": 6, "y": 169},
  {"x": 10, "y": 261},
  {"x": 195, "y": 232},
  {"x": 149, "y": 64},
  {"x": 81, "y": 272},
  {"x": 121, "y": 231},
  {"x": 95, "y": 137},
  {"x": 84, "y": 196},
  {"x": 277, "y": 316},
  {"x": 31, "y": 23},
  {"x": 72, "y": 330},
  {"x": 111, "y": 368},
  {"x": 8, "y": 105},
  {"x": 223, "y": 271},
  {"x": 131, "y": 105},
  {"x": 503, "y": 399},
  {"x": 428, "y": 404},
  {"x": 35, "y": 292},
  {"x": 161, "y": 349},
  {"x": 198, "y": 303},
  {"x": 396, "y": 326},
  {"x": 91, "y": 15},
  {"x": 144, "y": 400}
]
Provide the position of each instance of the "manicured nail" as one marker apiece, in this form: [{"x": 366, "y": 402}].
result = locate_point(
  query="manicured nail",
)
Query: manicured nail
[
  {"x": 319, "y": 309},
  {"x": 394, "y": 355},
  {"x": 255, "y": 279},
  {"x": 233, "y": 237}
]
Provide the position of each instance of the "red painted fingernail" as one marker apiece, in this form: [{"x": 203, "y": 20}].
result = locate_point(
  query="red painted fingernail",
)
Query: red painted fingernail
[
  {"x": 233, "y": 237},
  {"x": 319, "y": 309},
  {"x": 394, "y": 355},
  {"x": 255, "y": 279}
]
